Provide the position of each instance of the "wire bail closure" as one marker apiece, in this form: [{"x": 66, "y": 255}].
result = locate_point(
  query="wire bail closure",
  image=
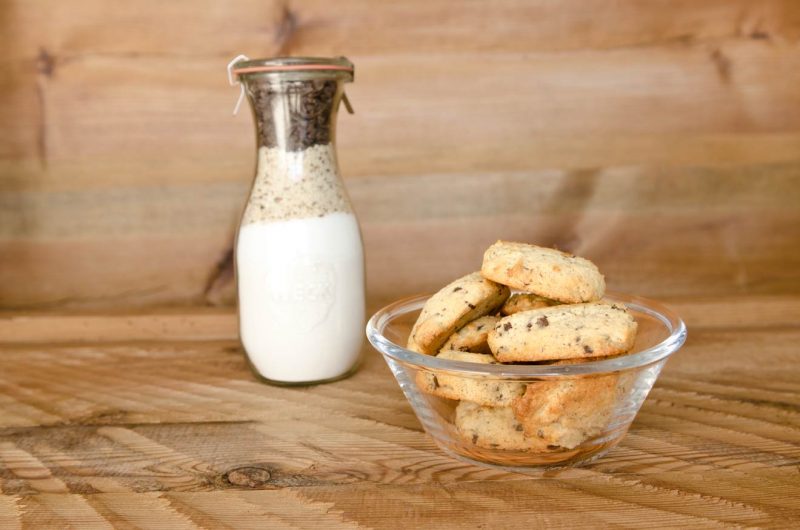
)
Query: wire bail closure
[
  {"x": 347, "y": 104},
  {"x": 235, "y": 81}
]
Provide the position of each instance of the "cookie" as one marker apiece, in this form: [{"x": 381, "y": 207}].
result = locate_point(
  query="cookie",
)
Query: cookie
[
  {"x": 462, "y": 301},
  {"x": 472, "y": 337},
  {"x": 544, "y": 271},
  {"x": 575, "y": 331},
  {"x": 568, "y": 412},
  {"x": 525, "y": 302},
  {"x": 485, "y": 391},
  {"x": 494, "y": 428}
]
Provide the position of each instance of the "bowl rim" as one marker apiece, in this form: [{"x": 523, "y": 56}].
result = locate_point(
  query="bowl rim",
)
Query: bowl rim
[{"x": 656, "y": 310}]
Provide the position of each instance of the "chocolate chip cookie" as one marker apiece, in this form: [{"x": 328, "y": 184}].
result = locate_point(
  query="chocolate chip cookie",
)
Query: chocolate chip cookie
[
  {"x": 467, "y": 298},
  {"x": 544, "y": 271},
  {"x": 567, "y": 412},
  {"x": 574, "y": 331},
  {"x": 525, "y": 302},
  {"x": 473, "y": 336},
  {"x": 494, "y": 428},
  {"x": 483, "y": 390}
]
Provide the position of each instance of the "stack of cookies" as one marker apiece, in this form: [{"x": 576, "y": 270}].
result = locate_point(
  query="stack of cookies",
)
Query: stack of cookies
[{"x": 555, "y": 316}]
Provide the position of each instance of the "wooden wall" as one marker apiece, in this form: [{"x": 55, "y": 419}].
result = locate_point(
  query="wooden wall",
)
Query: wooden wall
[{"x": 660, "y": 138}]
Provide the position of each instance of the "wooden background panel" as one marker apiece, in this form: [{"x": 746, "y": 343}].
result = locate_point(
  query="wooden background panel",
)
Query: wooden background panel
[{"x": 122, "y": 173}]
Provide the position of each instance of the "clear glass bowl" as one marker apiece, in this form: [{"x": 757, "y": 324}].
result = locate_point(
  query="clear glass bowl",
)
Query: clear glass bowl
[{"x": 591, "y": 405}]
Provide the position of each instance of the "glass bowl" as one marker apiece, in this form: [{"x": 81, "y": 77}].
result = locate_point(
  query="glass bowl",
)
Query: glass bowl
[{"x": 576, "y": 414}]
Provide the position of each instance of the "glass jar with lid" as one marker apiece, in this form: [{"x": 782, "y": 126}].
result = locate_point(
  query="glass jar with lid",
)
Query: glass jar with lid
[{"x": 299, "y": 253}]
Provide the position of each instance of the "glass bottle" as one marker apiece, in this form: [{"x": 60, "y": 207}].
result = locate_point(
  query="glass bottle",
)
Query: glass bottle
[{"x": 299, "y": 254}]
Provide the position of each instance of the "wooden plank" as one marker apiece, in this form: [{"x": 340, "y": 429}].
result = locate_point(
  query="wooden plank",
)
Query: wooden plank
[
  {"x": 79, "y": 63},
  {"x": 699, "y": 231},
  {"x": 193, "y": 323},
  {"x": 215, "y": 208},
  {"x": 108, "y": 270},
  {"x": 472, "y": 504},
  {"x": 362, "y": 27},
  {"x": 543, "y": 503},
  {"x": 538, "y": 25},
  {"x": 560, "y": 106},
  {"x": 174, "y": 324}
]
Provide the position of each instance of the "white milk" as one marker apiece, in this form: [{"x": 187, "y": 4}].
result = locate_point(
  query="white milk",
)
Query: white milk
[{"x": 301, "y": 296}]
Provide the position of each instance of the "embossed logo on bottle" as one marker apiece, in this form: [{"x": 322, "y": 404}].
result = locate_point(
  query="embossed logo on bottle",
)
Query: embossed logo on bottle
[{"x": 303, "y": 295}]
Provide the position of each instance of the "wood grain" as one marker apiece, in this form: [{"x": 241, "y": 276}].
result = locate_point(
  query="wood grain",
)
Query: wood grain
[
  {"x": 122, "y": 173},
  {"x": 564, "y": 109},
  {"x": 710, "y": 231},
  {"x": 355, "y": 26},
  {"x": 148, "y": 427},
  {"x": 190, "y": 324}
]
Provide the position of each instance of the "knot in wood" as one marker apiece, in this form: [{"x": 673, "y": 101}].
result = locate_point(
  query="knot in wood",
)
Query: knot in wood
[{"x": 248, "y": 476}]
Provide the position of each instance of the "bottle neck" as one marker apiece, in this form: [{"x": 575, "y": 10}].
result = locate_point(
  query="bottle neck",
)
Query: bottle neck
[{"x": 294, "y": 115}]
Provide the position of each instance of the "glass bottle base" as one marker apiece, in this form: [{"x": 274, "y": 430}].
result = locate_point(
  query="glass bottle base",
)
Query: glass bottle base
[{"x": 274, "y": 382}]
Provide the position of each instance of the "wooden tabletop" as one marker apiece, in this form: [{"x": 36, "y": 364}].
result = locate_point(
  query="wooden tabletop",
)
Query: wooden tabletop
[{"x": 158, "y": 422}]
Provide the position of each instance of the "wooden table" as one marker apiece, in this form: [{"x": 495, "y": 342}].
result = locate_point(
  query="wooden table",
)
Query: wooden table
[{"x": 154, "y": 420}]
